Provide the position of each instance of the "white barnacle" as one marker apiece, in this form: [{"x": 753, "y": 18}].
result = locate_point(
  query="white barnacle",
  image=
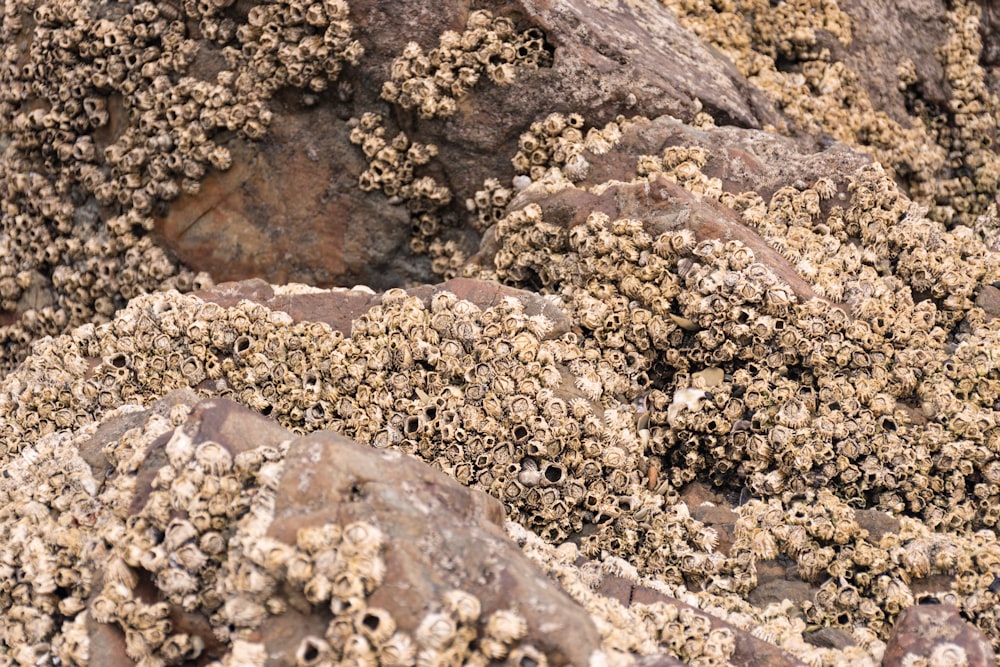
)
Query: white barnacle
[
  {"x": 398, "y": 651},
  {"x": 464, "y": 606},
  {"x": 179, "y": 449},
  {"x": 506, "y": 626},
  {"x": 685, "y": 399},
  {"x": 436, "y": 630}
]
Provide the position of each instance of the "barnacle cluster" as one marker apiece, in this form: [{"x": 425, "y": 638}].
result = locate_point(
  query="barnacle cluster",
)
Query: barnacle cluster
[
  {"x": 640, "y": 628},
  {"x": 433, "y": 82},
  {"x": 391, "y": 166},
  {"x": 107, "y": 119},
  {"x": 881, "y": 387},
  {"x": 943, "y": 155}
]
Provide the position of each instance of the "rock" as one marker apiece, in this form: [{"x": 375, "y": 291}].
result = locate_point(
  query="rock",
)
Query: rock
[
  {"x": 884, "y": 37},
  {"x": 989, "y": 30},
  {"x": 662, "y": 206},
  {"x": 632, "y": 59},
  {"x": 989, "y": 300},
  {"x": 243, "y": 223},
  {"x": 936, "y": 633},
  {"x": 439, "y": 537},
  {"x": 743, "y": 159}
]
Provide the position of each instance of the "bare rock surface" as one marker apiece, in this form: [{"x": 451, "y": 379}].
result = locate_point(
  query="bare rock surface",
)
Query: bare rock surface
[{"x": 937, "y": 634}]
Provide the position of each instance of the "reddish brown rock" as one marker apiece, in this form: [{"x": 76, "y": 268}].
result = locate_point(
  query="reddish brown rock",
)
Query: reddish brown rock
[
  {"x": 937, "y": 632},
  {"x": 290, "y": 210},
  {"x": 439, "y": 536}
]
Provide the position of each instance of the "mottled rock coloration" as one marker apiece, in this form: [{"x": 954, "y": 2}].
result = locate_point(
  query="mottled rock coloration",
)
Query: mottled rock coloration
[{"x": 937, "y": 634}]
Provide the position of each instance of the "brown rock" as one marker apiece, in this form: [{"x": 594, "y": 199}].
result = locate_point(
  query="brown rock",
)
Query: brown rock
[
  {"x": 990, "y": 31},
  {"x": 742, "y": 159},
  {"x": 989, "y": 300},
  {"x": 289, "y": 210},
  {"x": 440, "y": 536},
  {"x": 936, "y": 632},
  {"x": 884, "y": 35}
]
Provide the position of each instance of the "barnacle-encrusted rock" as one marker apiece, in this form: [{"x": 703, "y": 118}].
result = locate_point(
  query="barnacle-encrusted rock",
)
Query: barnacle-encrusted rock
[
  {"x": 904, "y": 82},
  {"x": 121, "y": 120},
  {"x": 504, "y": 396}
]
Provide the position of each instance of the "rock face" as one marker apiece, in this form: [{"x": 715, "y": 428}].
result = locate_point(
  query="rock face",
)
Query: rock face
[
  {"x": 600, "y": 61},
  {"x": 446, "y": 573},
  {"x": 936, "y": 633},
  {"x": 702, "y": 367}
]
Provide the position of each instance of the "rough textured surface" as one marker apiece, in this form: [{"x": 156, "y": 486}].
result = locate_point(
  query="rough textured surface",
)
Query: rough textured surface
[
  {"x": 936, "y": 633},
  {"x": 752, "y": 373}
]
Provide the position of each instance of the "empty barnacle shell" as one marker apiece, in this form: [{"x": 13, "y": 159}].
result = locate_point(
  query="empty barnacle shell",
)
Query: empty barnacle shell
[
  {"x": 313, "y": 651},
  {"x": 376, "y": 624}
]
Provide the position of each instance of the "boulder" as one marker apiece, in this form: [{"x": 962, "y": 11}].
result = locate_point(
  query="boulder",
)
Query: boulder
[{"x": 938, "y": 634}]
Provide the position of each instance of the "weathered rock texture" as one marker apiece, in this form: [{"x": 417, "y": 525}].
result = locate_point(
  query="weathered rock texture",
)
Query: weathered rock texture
[{"x": 936, "y": 633}]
